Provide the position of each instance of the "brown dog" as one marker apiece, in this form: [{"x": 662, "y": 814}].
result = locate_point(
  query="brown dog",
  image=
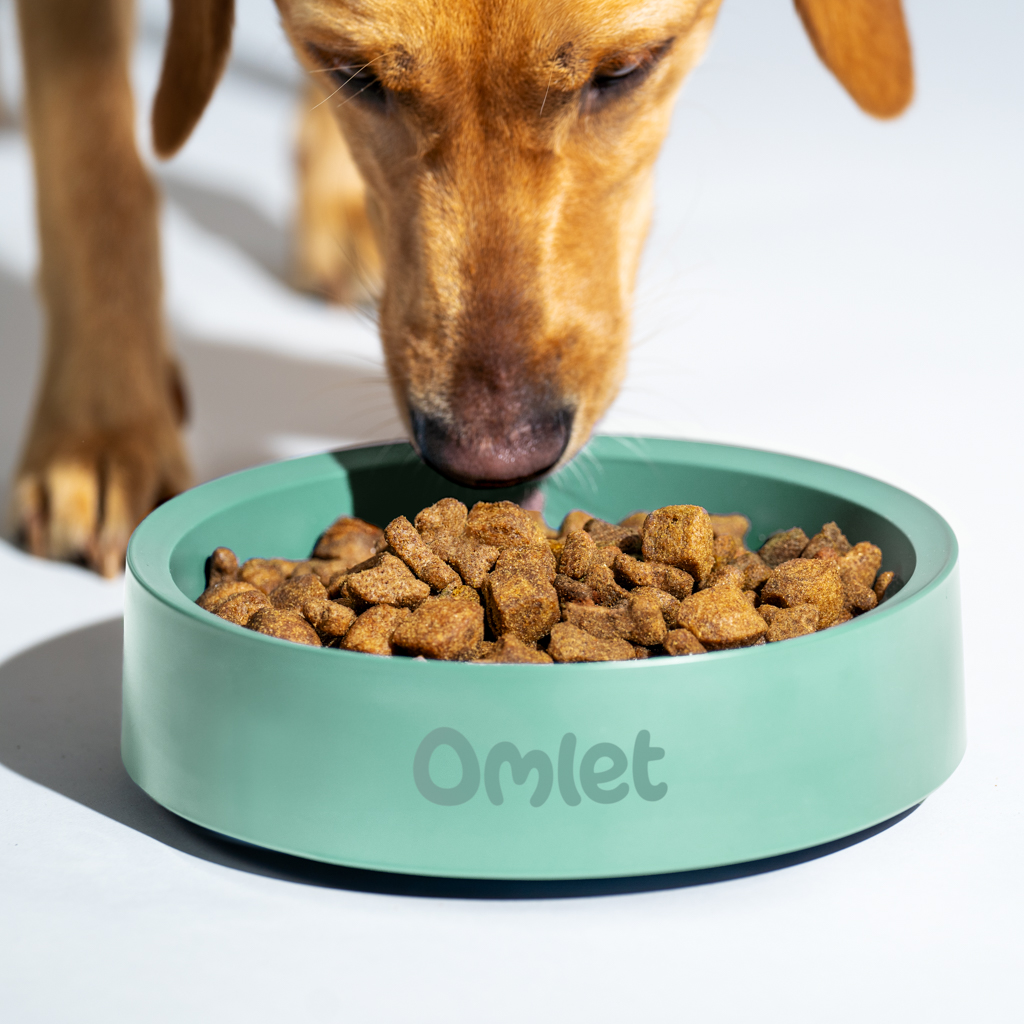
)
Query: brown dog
[{"x": 505, "y": 151}]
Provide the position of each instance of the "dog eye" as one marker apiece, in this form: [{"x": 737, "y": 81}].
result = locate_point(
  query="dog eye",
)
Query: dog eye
[
  {"x": 356, "y": 82},
  {"x": 616, "y": 79}
]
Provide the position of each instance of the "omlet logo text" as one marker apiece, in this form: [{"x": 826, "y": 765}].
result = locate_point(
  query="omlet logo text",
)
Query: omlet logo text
[{"x": 596, "y": 784}]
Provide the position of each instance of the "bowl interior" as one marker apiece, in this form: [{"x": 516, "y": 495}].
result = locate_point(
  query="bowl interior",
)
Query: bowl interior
[{"x": 279, "y": 510}]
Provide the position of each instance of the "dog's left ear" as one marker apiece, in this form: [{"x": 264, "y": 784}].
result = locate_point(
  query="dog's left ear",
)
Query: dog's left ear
[
  {"x": 864, "y": 43},
  {"x": 197, "y": 50}
]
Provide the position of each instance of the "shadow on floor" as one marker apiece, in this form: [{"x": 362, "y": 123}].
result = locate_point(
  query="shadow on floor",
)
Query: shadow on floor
[{"x": 60, "y": 726}]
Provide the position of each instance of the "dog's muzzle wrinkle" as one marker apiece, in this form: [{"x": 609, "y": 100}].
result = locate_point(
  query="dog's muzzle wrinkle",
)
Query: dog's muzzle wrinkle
[{"x": 527, "y": 449}]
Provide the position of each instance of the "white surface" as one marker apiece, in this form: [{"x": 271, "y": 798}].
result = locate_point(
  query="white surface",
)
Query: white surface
[{"x": 883, "y": 264}]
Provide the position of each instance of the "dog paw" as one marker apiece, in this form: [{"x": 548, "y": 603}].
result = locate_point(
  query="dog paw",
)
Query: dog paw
[{"x": 79, "y": 498}]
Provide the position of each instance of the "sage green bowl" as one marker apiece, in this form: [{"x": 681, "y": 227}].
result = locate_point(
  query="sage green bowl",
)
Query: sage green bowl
[{"x": 550, "y": 771}]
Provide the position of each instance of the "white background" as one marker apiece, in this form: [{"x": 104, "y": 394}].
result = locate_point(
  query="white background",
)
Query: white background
[{"x": 871, "y": 272}]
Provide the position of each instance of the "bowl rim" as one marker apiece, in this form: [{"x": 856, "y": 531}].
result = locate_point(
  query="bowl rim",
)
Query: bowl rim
[{"x": 933, "y": 540}]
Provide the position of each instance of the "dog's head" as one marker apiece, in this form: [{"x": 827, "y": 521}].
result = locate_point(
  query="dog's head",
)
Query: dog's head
[{"x": 508, "y": 148}]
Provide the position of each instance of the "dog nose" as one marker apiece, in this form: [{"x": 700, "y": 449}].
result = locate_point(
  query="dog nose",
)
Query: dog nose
[{"x": 479, "y": 457}]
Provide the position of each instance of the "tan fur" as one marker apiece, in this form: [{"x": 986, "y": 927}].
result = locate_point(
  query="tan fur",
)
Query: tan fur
[
  {"x": 508, "y": 209},
  {"x": 336, "y": 254}
]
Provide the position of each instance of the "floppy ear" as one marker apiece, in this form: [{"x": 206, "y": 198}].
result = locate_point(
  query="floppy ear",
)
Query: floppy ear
[
  {"x": 864, "y": 44},
  {"x": 197, "y": 50}
]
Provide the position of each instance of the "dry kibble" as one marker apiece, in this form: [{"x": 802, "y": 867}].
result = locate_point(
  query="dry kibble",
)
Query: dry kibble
[
  {"x": 372, "y": 631},
  {"x": 217, "y": 593},
  {"x": 577, "y": 554},
  {"x": 830, "y": 536},
  {"x": 569, "y": 589},
  {"x": 410, "y": 547},
  {"x": 521, "y": 605},
  {"x": 285, "y": 625},
  {"x": 221, "y": 566},
  {"x": 653, "y": 574},
  {"x": 674, "y": 581},
  {"x": 240, "y": 608},
  {"x": 569, "y": 643},
  {"x": 601, "y": 581},
  {"x": 441, "y": 627},
  {"x": 681, "y": 641},
  {"x": 735, "y": 525},
  {"x": 503, "y": 524},
  {"x": 807, "y": 581},
  {"x": 681, "y": 535},
  {"x": 472, "y": 560},
  {"x": 721, "y": 618},
  {"x": 349, "y": 540},
  {"x": 293, "y": 594},
  {"x": 783, "y": 546},
  {"x": 329, "y": 618},
  {"x": 265, "y": 573},
  {"x": 388, "y": 582},
  {"x": 574, "y": 520},
  {"x": 788, "y": 623},
  {"x": 510, "y": 650},
  {"x": 883, "y": 583}
]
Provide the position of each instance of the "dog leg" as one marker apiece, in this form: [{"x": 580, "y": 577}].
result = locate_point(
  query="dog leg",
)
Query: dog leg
[
  {"x": 335, "y": 251},
  {"x": 104, "y": 445}
]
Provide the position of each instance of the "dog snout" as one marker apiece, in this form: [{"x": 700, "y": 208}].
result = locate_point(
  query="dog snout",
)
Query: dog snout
[{"x": 493, "y": 455}]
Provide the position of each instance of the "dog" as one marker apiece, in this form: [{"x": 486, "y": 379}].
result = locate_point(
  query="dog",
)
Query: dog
[{"x": 493, "y": 171}]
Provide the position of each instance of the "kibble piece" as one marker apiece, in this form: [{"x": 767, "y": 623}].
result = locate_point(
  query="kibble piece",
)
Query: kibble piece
[
  {"x": 410, "y": 547},
  {"x": 735, "y": 525},
  {"x": 216, "y": 594},
  {"x": 372, "y": 631},
  {"x": 572, "y": 590},
  {"x": 350, "y": 540},
  {"x": 681, "y": 535},
  {"x": 325, "y": 569},
  {"x": 538, "y": 517},
  {"x": 681, "y": 641},
  {"x": 329, "y": 618},
  {"x": 442, "y": 525},
  {"x": 647, "y": 622},
  {"x": 844, "y": 616},
  {"x": 441, "y": 627},
  {"x": 653, "y": 574},
  {"x": 265, "y": 573},
  {"x": 727, "y": 550},
  {"x": 830, "y": 536},
  {"x": 751, "y": 597},
  {"x": 768, "y": 612},
  {"x": 472, "y": 560},
  {"x": 389, "y": 582},
  {"x": 726, "y": 576},
  {"x": 807, "y": 581},
  {"x": 460, "y": 592},
  {"x": 669, "y": 605},
  {"x": 601, "y": 581},
  {"x": 788, "y": 623},
  {"x": 536, "y": 563},
  {"x": 503, "y": 524},
  {"x": 635, "y": 522},
  {"x": 221, "y": 566},
  {"x": 510, "y": 650},
  {"x": 783, "y": 546},
  {"x": 240, "y": 608},
  {"x": 606, "y": 555},
  {"x": 293, "y": 594},
  {"x": 755, "y": 569},
  {"x": 861, "y": 564},
  {"x": 606, "y": 534},
  {"x": 520, "y": 605},
  {"x": 883, "y": 583},
  {"x": 604, "y": 623},
  {"x": 569, "y": 643},
  {"x": 285, "y": 625},
  {"x": 721, "y": 619},
  {"x": 577, "y": 554},
  {"x": 574, "y": 520}
]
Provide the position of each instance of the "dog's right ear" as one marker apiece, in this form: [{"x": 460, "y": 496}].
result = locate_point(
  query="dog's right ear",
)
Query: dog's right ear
[
  {"x": 864, "y": 44},
  {"x": 197, "y": 50}
]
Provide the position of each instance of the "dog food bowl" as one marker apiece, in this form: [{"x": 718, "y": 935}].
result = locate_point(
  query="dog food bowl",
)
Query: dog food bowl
[{"x": 550, "y": 771}]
